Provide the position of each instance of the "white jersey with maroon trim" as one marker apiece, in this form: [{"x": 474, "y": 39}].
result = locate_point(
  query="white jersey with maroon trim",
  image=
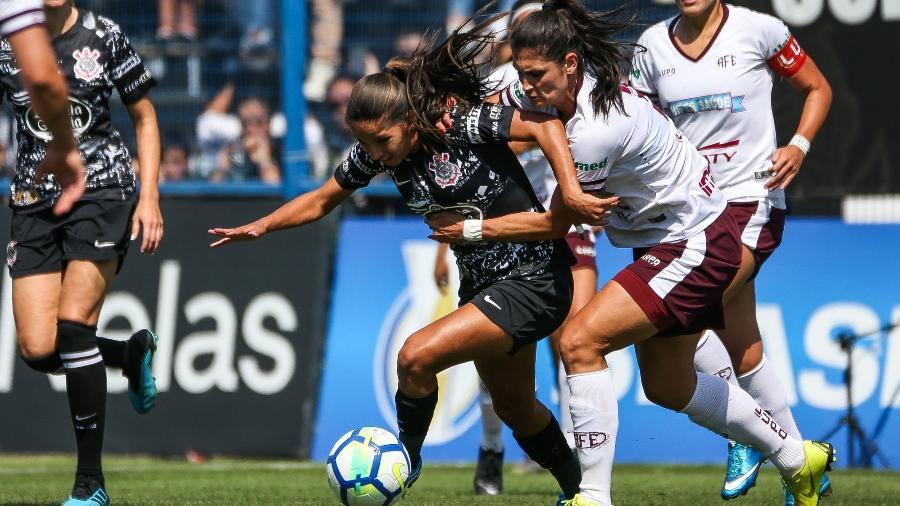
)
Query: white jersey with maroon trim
[
  {"x": 665, "y": 189},
  {"x": 18, "y": 15},
  {"x": 722, "y": 100}
]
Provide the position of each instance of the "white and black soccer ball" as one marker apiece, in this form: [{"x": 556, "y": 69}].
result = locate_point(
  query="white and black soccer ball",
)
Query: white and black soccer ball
[{"x": 367, "y": 466}]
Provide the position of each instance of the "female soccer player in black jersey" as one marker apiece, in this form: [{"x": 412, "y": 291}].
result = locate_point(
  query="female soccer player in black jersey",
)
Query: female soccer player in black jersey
[
  {"x": 62, "y": 266},
  {"x": 511, "y": 294}
]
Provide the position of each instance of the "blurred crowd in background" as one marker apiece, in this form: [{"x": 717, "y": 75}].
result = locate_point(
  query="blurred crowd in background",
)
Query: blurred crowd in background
[{"x": 218, "y": 69}]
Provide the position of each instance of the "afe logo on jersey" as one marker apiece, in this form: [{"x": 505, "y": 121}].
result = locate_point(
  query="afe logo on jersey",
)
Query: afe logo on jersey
[
  {"x": 87, "y": 64},
  {"x": 81, "y": 119},
  {"x": 446, "y": 173}
]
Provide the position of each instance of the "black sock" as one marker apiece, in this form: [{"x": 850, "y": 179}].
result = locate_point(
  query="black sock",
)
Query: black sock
[
  {"x": 113, "y": 351},
  {"x": 413, "y": 418},
  {"x": 86, "y": 386},
  {"x": 549, "y": 449}
]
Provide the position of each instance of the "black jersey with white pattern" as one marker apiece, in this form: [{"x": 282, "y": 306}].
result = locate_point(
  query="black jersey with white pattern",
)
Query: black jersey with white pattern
[
  {"x": 95, "y": 58},
  {"x": 477, "y": 175}
]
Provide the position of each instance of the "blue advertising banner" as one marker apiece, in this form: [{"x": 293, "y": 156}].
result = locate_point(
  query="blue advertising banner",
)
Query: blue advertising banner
[{"x": 826, "y": 278}]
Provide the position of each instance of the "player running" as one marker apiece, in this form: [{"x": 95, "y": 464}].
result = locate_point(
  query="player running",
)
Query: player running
[
  {"x": 22, "y": 23},
  {"x": 62, "y": 265},
  {"x": 686, "y": 249},
  {"x": 711, "y": 69},
  {"x": 511, "y": 294}
]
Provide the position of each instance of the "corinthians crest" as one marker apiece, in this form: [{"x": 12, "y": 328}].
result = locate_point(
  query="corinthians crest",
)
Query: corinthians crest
[
  {"x": 87, "y": 64},
  {"x": 446, "y": 173}
]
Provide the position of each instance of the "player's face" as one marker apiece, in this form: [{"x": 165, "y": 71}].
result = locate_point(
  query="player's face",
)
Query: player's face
[
  {"x": 544, "y": 81},
  {"x": 695, "y": 7},
  {"x": 384, "y": 141}
]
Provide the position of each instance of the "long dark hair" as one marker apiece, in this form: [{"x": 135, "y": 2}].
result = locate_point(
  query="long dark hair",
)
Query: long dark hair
[
  {"x": 418, "y": 87},
  {"x": 565, "y": 26}
]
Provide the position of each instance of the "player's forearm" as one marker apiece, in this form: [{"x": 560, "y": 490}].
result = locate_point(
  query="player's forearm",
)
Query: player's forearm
[
  {"x": 45, "y": 85},
  {"x": 550, "y": 135},
  {"x": 147, "y": 132},
  {"x": 526, "y": 226},
  {"x": 306, "y": 208},
  {"x": 817, "y": 103}
]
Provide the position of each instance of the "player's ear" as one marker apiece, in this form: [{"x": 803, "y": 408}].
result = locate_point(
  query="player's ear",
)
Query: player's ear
[{"x": 570, "y": 64}]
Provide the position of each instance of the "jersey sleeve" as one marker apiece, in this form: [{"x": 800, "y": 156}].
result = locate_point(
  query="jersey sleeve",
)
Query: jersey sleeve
[
  {"x": 126, "y": 68},
  {"x": 778, "y": 47},
  {"x": 484, "y": 123},
  {"x": 594, "y": 150},
  {"x": 18, "y": 15},
  {"x": 641, "y": 71},
  {"x": 357, "y": 169}
]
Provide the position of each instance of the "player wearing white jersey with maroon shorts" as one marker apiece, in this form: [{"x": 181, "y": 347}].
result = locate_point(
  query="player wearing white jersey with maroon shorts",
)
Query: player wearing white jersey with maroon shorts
[
  {"x": 687, "y": 251},
  {"x": 711, "y": 69}
]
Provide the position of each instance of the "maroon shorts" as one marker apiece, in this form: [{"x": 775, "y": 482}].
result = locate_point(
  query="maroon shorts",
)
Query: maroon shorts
[
  {"x": 584, "y": 249},
  {"x": 761, "y": 226},
  {"x": 680, "y": 285}
]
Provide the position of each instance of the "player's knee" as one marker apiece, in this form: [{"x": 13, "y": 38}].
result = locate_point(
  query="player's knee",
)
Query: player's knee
[
  {"x": 36, "y": 350},
  {"x": 514, "y": 410},
  {"x": 46, "y": 364},
  {"x": 413, "y": 361},
  {"x": 578, "y": 351},
  {"x": 667, "y": 394}
]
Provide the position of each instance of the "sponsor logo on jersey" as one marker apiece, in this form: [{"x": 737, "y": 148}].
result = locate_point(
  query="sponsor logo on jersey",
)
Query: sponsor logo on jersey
[
  {"x": 588, "y": 167},
  {"x": 588, "y": 440},
  {"x": 651, "y": 259},
  {"x": 87, "y": 64},
  {"x": 420, "y": 303},
  {"x": 718, "y": 102},
  {"x": 79, "y": 111},
  {"x": 722, "y": 156},
  {"x": 707, "y": 183},
  {"x": 728, "y": 60},
  {"x": 636, "y": 73},
  {"x": 446, "y": 173}
]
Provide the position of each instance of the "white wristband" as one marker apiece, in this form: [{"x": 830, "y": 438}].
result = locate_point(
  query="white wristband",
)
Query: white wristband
[
  {"x": 801, "y": 143},
  {"x": 472, "y": 230}
]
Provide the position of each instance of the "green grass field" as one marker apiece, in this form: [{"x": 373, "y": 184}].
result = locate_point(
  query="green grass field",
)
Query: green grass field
[{"x": 45, "y": 480}]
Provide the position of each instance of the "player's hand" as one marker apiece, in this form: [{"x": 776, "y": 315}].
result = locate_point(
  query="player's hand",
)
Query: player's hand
[
  {"x": 147, "y": 219},
  {"x": 63, "y": 160},
  {"x": 441, "y": 271},
  {"x": 786, "y": 164},
  {"x": 249, "y": 232},
  {"x": 446, "y": 227},
  {"x": 445, "y": 123},
  {"x": 589, "y": 209}
]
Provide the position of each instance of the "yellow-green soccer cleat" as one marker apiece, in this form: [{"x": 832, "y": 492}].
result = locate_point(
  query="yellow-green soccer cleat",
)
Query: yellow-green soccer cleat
[
  {"x": 579, "y": 500},
  {"x": 805, "y": 485}
]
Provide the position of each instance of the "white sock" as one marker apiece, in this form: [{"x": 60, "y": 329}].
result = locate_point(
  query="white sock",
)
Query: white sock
[
  {"x": 595, "y": 418},
  {"x": 711, "y": 357},
  {"x": 764, "y": 386},
  {"x": 730, "y": 411},
  {"x": 491, "y": 425},
  {"x": 565, "y": 417}
]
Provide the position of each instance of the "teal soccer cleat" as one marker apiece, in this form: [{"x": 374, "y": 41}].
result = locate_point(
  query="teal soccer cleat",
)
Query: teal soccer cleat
[
  {"x": 744, "y": 463},
  {"x": 87, "y": 492},
  {"x": 142, "y": 390}
]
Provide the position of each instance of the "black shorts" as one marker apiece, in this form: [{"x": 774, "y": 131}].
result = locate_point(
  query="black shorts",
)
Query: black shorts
[
  {"x": 528, "y": 309},
  {"x": 95, "y": 230}
]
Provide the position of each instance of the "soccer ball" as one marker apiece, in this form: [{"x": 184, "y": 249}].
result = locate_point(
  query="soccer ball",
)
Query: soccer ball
[{"x": 367, "y": 466}]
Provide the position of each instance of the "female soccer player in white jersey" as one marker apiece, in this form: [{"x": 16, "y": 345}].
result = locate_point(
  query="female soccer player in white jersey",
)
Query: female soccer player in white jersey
[
  {"x": 22, "y": 23},
  {"x": 711, "y": 69},
  {"x": 62, "y": 266},
  {"x": 687, "y": 251}
]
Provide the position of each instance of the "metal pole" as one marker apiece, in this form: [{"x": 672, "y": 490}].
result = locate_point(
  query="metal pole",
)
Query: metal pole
[{"x": 293, "y": 73}]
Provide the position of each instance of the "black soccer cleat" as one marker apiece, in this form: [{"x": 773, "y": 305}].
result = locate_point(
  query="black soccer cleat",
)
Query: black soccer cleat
[{"x": 489, "y": 472}]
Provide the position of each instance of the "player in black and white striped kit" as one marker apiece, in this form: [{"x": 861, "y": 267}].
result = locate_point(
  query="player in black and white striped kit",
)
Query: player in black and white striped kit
[{"x": 62, "y": 265}]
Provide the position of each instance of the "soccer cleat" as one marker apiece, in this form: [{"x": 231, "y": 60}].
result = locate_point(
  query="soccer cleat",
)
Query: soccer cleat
[
  {"x": 579, "y": 500},
  {"x": 744, "y": 463},
  {"x": 413, "y": 476},
  {"x": 142, "y": 390},
  {"x": 805, "y": 486},
  {"x": 489, "y": 472},
  {"x": 88, "y": 491},
  {"x": 824, "y": 491}
]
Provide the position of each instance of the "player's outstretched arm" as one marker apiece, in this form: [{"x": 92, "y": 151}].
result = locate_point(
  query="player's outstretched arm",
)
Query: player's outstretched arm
[
  {"x": 49, "y": 97},
  {"x": 449, "y": 227},
  {"x": 550, "y": 134},
  {"x": 304, "y": 209}
]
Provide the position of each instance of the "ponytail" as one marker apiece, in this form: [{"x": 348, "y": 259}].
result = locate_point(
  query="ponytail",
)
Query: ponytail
[{"x": 565, "y": 26}]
